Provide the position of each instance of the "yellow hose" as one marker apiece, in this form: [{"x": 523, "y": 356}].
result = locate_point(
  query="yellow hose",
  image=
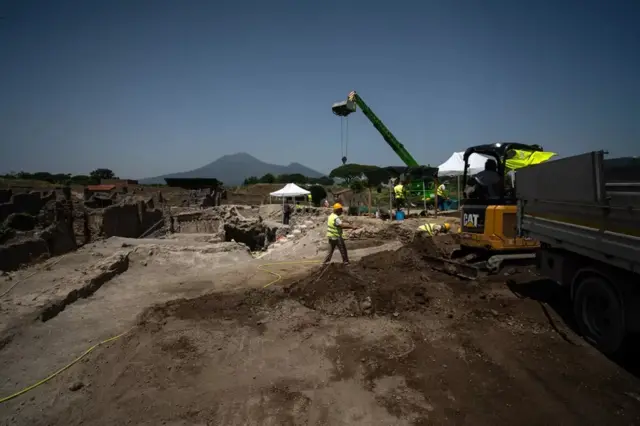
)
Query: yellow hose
[
  {"x": 45, "y": 380},
  {"x": 277, "y": 278}
]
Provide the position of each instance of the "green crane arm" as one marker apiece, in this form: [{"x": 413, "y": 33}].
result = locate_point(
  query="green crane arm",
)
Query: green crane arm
[{"x": 345, "y": 108}]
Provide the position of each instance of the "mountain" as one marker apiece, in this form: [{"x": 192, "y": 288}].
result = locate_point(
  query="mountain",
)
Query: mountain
[{"x": 234, "y": 169}]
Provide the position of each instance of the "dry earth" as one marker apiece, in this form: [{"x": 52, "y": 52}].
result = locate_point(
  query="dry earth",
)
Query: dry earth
[{"x": 386, "y": 341}]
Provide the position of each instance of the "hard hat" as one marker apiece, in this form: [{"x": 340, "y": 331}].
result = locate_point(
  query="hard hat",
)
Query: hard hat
[
  {"x": 337, "y": 206},
  {"x": 446, "y": 227}
]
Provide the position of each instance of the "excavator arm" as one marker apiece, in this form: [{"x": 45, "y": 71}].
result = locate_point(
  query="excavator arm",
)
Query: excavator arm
[{"x": 344, "y": 108}]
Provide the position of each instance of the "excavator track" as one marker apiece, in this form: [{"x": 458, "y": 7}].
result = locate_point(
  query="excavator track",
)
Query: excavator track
[{"x": 476, "y": 270}]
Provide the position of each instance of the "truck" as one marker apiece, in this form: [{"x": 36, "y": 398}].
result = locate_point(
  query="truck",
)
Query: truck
[{"x": 584, "y": 211}]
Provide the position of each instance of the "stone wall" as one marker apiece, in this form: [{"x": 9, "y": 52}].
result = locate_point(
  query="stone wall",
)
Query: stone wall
[
  {"x": 5, "y": 195},
  {"x": 26, "y": 202},
  {"x": 55, "y": 239},
  {"x": 255, "y": 233},
  {"x": 22, "y": 252},
  {"x": 199, "y": 222},
  {"x": 129, "y": 220}
]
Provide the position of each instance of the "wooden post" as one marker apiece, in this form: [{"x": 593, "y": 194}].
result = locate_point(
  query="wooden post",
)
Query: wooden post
[{"x": 437, "y": 184}]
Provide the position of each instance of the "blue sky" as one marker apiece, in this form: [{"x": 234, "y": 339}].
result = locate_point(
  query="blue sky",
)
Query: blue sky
[{"x": 150, "y": 87}]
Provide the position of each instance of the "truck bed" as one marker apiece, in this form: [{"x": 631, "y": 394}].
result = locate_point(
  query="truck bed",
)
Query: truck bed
[{"x": 584, "y": 204}]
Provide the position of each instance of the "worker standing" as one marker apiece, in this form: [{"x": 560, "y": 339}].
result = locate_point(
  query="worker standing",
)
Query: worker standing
[
  {"x": 433, "y": 229},
  {"x": 399, "y": 194},
  {"x": 309, "y": 199},
  {"x": 286, "y": 212},
  {"x": 442, "y": 196},
  {"x": 335, "y": 226}
]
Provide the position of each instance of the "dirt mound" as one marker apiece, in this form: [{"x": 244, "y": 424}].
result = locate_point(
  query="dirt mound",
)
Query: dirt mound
[
  {"x": 394, "y": 231},
  {"x": 388, "y": 282},
  {"x": 438, "y": 246},
  {"x": 242, "y": 307}
]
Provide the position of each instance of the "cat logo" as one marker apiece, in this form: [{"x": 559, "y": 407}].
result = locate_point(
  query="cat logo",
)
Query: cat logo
[{"x": 470, "y": 220}]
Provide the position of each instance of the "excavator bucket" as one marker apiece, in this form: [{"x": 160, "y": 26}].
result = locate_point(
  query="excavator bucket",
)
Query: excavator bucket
[{"x": 344, "y": 108}]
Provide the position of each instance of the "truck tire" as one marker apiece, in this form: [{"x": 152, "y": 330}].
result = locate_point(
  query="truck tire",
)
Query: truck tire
[{"x": 599, "y": 314}]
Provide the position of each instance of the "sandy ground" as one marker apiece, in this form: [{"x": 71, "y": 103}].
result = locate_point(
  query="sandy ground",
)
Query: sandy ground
[{"x": 386, "y": 341}]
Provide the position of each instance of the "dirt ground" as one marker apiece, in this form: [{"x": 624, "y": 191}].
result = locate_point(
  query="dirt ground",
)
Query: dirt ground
[{"x": 384, "y": 341}]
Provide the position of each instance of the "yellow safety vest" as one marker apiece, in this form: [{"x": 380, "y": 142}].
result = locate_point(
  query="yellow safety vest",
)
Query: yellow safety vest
[
  {"x": 399, "y": 191},
  {"x": 441, "y": 191},
  {"x": 428, "y": 228},
  {"x": 333, "y": 231},
  {"x": 309, "y": 197}
]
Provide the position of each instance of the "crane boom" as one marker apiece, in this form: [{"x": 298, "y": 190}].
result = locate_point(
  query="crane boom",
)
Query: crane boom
[{"x": 347, "y": 107}]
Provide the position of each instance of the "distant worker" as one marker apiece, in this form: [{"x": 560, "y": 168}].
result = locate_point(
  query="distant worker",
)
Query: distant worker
[
  {"x": 335, "y": 226},
  {"x": 442, "y": 196},
  {"x": 309, "y": 199},
  {"x": 286, "y": 212},
  {"x": 399, "y": 195},
  {"x": 433, "y": 229}
]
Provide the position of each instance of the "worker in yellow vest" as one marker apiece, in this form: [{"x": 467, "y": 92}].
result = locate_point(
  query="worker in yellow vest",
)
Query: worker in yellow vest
[
  {"x": 310, "y": 199},
  {"x": 433, "y": 229},
  {"x": 442, "y": 196},
  {"x": 399, "y": 195},
  {"x": 335, "y": 226}
]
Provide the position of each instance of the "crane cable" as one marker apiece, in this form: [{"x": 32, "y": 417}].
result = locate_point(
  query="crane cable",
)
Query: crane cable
[{"x": 344, "y": 138}]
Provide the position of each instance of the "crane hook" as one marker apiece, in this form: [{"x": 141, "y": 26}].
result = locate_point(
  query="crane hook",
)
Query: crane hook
[{"x": 344, "y": 160}]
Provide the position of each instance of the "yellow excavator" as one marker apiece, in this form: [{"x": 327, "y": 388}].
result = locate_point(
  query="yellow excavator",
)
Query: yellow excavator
[{"x": 488, "y": 223}]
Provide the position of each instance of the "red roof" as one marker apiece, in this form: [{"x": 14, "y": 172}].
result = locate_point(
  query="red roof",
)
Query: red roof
[{"x": 105, "y": 188}]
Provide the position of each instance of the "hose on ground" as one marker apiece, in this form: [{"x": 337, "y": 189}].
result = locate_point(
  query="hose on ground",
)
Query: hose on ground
[
  {"x": 262, "y": 267},
  {"x": 46, "y": 265}
]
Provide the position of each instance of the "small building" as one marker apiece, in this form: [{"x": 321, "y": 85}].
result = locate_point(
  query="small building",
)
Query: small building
[
  {"x": 119, "y": 183},
  {"x": 101, "y": 189}
]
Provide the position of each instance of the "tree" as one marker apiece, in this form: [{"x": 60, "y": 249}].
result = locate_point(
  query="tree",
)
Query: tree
[
  {"x": 80, "y": 180},
  {"x": 318, "y": 193},
  {"x": 349, "y": 172},
  {"x": 324, "y": 180},
  {"x": 268, "y": 178},
  {"x": 296, "y": 178},
  {"x": 251, "y": 180},
  {"x": 98, "y": 174}
]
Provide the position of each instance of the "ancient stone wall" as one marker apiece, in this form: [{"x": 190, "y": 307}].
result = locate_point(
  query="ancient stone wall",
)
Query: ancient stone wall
[
  {"x": 129, "y": 220},
  {"x": 121, "y": 221},
  {"x": 22, "y": 252},
  {"x": 26, "y": 202},
  {"x": 199, "y": 222},
  {"x": 5, "y": 195},
  {"x": 55, "y": 239}
]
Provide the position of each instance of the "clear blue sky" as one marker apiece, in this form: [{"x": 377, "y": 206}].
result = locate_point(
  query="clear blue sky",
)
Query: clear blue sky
[{"x": 150, "y": 87}]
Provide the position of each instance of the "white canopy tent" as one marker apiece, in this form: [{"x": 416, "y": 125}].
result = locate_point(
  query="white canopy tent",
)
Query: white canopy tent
[
  {"x": 454, "y": 166},
  {"x": 289, "y": 190}
]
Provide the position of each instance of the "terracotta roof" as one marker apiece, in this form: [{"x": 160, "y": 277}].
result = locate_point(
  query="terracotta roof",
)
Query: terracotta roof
[{"x": 101, "y": 187}]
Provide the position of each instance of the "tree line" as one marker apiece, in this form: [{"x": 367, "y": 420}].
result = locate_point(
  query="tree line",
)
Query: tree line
[
  {"x": 92, "y": 178},
  {"x": 296, "y": 178}
]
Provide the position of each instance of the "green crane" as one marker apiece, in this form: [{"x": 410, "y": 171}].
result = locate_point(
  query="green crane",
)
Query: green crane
[{"x": 344, "y": 108}]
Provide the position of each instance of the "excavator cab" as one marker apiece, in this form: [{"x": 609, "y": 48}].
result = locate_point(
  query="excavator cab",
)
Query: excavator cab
[{"x": 489, "y": 206}]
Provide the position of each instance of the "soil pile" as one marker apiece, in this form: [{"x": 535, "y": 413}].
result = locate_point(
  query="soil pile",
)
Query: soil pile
[
  {"x": 383, "y": 283},
  {"x": 242, "y": 307},
  {"x": 439, "y": 246}
]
